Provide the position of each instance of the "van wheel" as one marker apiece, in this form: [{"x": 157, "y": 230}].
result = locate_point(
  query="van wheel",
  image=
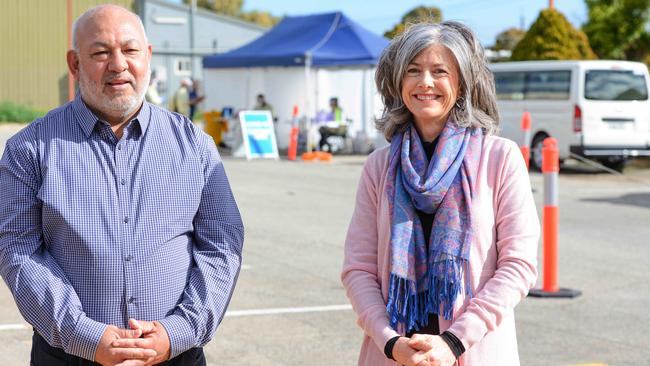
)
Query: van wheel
[
  {"x": 617, "y": 165},
  {"x": 536, "y": 152}
]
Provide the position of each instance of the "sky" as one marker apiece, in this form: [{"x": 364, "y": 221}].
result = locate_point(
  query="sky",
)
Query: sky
[{"x": 486, "y": 17}]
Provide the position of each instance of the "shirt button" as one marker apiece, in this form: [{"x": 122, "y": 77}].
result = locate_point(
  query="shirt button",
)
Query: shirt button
[
  {"x": 123, "y": 181},
  {"x": 131, "y": 300},
  {"x": 126, "y": 219},
  {"x": 119, "y": 147},
  {"x": 128, "y": 258}
]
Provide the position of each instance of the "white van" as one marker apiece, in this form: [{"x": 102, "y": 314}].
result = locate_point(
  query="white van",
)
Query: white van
[{"x": 596, "y": 109}]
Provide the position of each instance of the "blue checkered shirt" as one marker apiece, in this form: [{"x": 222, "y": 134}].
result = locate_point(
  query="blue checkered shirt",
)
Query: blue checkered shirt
[{"x": 95, "y": 230}]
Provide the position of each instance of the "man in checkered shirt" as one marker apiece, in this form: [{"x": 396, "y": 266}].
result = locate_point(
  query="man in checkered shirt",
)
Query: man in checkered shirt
[{"x": 120, "y": 239}]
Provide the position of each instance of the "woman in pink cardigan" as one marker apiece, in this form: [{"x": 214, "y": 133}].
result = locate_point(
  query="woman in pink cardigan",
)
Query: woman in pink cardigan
[{"x": 442, "y": 244}]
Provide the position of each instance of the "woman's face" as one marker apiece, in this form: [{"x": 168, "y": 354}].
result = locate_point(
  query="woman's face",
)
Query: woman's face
[{"x": 430, "y": 89}]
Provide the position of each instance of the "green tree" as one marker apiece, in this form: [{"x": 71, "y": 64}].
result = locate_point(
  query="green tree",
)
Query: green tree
[
  {"x": 639, "y": 49},
  {"x": 206, "y": 4},
  {"x": 508, "y": 39},
  {"x": 233, "y": 8},
  {"x": 227, "y": 7},
  {"x": 615, "y": 26},
  {"x": 552, "y": 37},
  {"x": 415, "y": 15},
  {"x": 263, "y": 18}
]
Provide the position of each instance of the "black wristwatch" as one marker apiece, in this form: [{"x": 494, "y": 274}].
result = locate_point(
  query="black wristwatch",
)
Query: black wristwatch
[
  {"x": 456, "y": 346},
  {"x": 388, "y": 348}
]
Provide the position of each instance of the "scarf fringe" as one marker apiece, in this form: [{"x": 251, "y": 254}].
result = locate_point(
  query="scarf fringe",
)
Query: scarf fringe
[{"x": 409, "y": 310}]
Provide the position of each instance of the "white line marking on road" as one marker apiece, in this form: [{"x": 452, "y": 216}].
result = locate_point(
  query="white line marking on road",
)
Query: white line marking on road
[
  {"x": 308, "y": 309},
  {"x": 233, "y": 313},
  {"x": 14, "y": 326}
]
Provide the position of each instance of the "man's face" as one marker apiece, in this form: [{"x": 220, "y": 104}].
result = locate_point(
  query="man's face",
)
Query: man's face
[{"x": 112, "y": 63}]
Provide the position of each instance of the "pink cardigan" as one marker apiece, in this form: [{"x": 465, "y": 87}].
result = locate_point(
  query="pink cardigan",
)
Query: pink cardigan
[{"x": 503, "y": 259}]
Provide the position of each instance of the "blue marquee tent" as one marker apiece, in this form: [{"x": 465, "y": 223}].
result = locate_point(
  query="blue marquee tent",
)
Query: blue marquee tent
[
  {"x": 329, "y": 39},
  {"x": 302, "y": 61}
]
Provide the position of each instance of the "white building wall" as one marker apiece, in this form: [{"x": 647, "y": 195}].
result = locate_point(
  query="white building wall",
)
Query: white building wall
[{"x": 168, "y": 29}]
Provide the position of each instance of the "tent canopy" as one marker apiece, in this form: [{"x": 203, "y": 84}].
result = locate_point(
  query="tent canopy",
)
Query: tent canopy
[{"x": 332, "y": 39}]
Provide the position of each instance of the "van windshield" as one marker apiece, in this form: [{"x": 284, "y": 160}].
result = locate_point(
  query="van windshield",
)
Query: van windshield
[{"x": 615, "y": 85}]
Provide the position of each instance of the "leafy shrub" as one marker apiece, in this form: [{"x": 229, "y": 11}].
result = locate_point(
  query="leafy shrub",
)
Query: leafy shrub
[
  {"x": 11, "y": 112},
  {"x": 552, "y": 37}
]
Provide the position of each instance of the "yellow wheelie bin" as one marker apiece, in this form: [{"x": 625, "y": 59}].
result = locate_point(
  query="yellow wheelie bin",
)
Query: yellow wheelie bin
[{"x": 215, "y": 126}]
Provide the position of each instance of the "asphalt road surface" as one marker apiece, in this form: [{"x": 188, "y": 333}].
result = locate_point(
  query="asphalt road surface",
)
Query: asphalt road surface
[{"x": 289, "y": 307}]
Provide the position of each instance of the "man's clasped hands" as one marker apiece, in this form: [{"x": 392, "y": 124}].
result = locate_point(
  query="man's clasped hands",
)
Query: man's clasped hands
[{"x": 146, "y": 343}]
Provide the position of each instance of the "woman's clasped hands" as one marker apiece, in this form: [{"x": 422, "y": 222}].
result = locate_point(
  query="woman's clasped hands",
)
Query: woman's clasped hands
[{"x": 423, "y": 350}]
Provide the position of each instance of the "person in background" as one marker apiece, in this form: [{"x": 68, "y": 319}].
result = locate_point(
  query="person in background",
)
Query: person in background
[
  {"x": 335, "y": 126},
  {"x": 262, "y": 104},
  {"x": 335, "y": 113},
  {"x": 195, "y": 98},
  {"x": 442, "y": 244},
  {"x": 120, "y": 239},
  {"x": 152, "y": 96},
  {"x": 180, "y": 101}
]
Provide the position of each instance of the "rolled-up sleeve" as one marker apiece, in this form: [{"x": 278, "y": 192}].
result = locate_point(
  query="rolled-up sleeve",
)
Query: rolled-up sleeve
[
  {"x": 43, "y": 293},
  {"x": 217, "y": 254}
]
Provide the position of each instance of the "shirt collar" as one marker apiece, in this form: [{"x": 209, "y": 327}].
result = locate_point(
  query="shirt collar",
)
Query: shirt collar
[{"x": 87, "y": 119}]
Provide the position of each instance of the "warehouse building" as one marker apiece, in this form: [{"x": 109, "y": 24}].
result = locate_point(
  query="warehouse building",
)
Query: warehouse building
[{"x": 34, "y": 40}]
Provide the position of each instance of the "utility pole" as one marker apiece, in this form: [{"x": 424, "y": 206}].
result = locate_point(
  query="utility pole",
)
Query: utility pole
[{"x": 192, "y": 21}]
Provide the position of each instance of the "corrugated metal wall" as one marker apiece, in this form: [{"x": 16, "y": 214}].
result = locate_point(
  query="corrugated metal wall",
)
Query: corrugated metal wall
[{"x": 34, "y": 41}]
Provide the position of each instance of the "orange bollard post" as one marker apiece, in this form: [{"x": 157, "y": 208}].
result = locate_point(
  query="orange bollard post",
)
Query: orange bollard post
[
  {"x": 550, "y": 217},
  {"x": 525, "y": 143},
  {"x": 551, "y": 224},
  {"x": 293, "y": 136}
]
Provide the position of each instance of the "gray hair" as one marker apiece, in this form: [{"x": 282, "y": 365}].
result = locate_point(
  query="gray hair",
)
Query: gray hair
[
  {"x": 88, "y": 14},
  {"x": 476, "y": 104}
]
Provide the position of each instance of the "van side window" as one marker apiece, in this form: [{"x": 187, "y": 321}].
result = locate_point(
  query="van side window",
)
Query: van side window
[
  {"x": 509, "y": 85},
  {"x": 615, "y": 85},
  {"x": 548, "y": 85}
]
